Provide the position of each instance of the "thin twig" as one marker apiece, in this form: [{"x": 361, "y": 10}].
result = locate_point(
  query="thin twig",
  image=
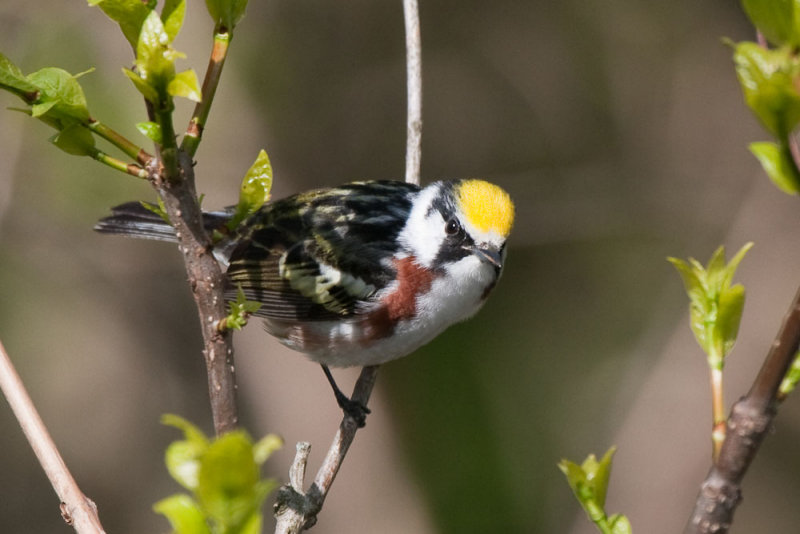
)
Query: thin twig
[
  {"x": 76, "y": 509},
  {"x": 194, "y": 132},
  {"x": 344, "y": 436},
  {"x": 118, "y": 165},
  {"x": 414, "y": 85},
  {"x": 718, "y": 428},
  {"x": 120, "y": 141},
  {"x": 295, "y": 510},
  {"x": 297, "y": 472},
  {"x": 751, "y": 417}
]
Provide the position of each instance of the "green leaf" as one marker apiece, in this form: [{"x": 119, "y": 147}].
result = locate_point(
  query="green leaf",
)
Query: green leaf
[
  {"x": 589, "y": 483},
  {"x": 778, "y": 20},
  {"x": 240, "y": 310},
  {"x": 731, "y": 304},
  {"x": 264, "y": 448},
  {"x": 768, "y": 79},
  {"x": 226, "y": 13},
  {"x": 254, "y": 191},
  {"x": 155, "y": 57},
  {"x": 224, "y": 478},
  {"x": 228, "y": 477},
  {"x": 185, "y": 85},
  {"x": 151, "y": 130},
  {"x": 730, "y": 268},
  {"x": 183, "y": 457},
  {"x": 161, "y": 210},
  {"x": 620, "y": 524},
  {"x": 690, "y": 276},
  {"x": 40, "y": 109},
  {"x": 61, "y": 97},
  {"x": 12, "y": 79},
  {"x": 172, "y": 16},
  {"x": 190, "y": 431},
  {"x": 777, "y": 162},
  {"x": 253, "y": 524},
  {"x": 715, "y": 306},
  {"x": 791, "y": 379},
  {"x": 183, "y": 513},
  {"x": 141, "y": 84},
  {"x": 183, "y": 463},
  {"x": 598, "y": 473},
  {"x": 576, "y": 477},
  {"x": 75, "y": 139},
  {"x": 129, "y": 14}
]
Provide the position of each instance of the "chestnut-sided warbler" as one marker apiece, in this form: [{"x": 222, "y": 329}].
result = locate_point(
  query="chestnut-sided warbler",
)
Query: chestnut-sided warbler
[{"x": 362, "y": 273}]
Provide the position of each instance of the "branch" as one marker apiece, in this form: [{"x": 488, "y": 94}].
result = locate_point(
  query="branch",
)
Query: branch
[
  {"x": 207, "y": 282},
  {"x": 76, "y": 509},
  {"x": 751, "y": 417},
  {"x": 118, "y": 140},
  {"x": 194, "y": 132},
  {"x": 414, "y": 88},
  {"x": 296, "y": 510},
  {"x": 173, "y": 177},
  {"x": 118, "y": 165}
]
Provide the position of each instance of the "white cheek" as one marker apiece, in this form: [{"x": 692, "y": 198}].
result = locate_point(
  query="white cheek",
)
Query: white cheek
[
  {"x": 424, "y": 232},
  {"x": 470, "y": 275}
]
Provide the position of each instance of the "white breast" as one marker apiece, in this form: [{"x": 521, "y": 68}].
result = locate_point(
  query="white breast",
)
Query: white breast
[{"x": 453, "y": 297}]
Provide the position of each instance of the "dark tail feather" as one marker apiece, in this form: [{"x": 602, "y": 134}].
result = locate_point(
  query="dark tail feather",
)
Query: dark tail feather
[{"x": 134, "y": 220}]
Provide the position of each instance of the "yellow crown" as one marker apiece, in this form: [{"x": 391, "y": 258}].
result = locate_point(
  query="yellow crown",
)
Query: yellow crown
[{"x": 486, "y": 206}]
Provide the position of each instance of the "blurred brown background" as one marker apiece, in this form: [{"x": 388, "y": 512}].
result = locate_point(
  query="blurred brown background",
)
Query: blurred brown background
[{"x": 618, "y": 128}]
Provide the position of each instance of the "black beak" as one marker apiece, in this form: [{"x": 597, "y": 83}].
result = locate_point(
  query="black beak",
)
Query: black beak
[{"x": 493, "y": 256}]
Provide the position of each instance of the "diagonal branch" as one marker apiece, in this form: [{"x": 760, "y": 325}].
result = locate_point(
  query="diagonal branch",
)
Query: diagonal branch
[
  {"x": 76, "y": 509},
  {"x": 219, "y": 52},
  {"x": 751, "y": 417}
]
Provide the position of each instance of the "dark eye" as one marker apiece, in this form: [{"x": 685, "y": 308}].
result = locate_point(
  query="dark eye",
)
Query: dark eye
[{"x": 451, "y": 227}]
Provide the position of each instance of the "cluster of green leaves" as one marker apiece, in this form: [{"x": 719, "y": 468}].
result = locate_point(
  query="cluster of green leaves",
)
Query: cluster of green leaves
[
  {"x": 241, "y": 309},
  {"x": 770, "y": 81},
  {"x": 715, "y": 306},
  {"x": 227, "y": 491},
  {"x": 55, "y": 97},
  {"x": 589, "y": 483},
  {"x": 154, "y": 75}
]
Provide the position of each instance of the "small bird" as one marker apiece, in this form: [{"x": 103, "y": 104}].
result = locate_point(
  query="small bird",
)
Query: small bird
[{"x": 359, "y": 274}]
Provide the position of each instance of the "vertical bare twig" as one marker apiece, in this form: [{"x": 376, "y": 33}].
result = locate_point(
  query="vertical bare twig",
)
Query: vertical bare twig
[
  {"x": 296, "y": 511},
  {"x": 414, "y": 85},
  {"x": 76, "y": 509},
  {"x": 750, "y": 419}
]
